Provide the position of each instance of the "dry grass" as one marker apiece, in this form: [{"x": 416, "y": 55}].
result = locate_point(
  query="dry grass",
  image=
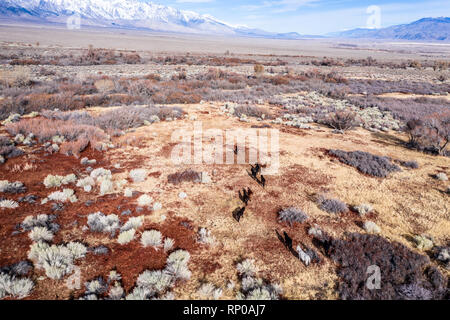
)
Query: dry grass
[
  {"x": 19, "y": 77},
  {"x": 408, "y": 210},
  {"x": 44, "y": 129},
  {"x": 16, "y": 168},
  {"x": 405, "y": 203}
]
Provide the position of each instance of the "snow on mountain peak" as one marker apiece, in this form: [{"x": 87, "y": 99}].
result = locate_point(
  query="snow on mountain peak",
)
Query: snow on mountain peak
[
  {"x": 138, "y": 14},
  {"x": 131, "y": 10}
]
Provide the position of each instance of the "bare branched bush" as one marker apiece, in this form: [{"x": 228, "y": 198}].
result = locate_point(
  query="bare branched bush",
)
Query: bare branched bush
[
  {"x": 19, "y": 77},
  {"x": 251, "y": 111},
  {"x": 341, "y": 120},
  {"x": 119, "y": 119},
  {"x": 45, "y": 129},
  {"x": 279, "y": 80},
  {"x": 258, "y": 69},
  {"x": 133, "y": 117},
  {"x": 74, "y": 148},
  {"x": 94, "y": 56},
  {"x": 431, "y": 134}
]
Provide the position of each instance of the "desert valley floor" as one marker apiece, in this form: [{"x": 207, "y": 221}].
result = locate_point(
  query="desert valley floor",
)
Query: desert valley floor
[{"x": 87, "y": 133}]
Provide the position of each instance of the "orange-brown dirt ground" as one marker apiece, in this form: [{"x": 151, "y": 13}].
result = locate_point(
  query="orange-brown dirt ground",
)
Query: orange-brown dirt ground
[{"x": 406, "y": 203}]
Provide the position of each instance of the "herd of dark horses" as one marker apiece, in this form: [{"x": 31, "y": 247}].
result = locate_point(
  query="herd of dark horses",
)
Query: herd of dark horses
[{"x": 246, "y": 193}]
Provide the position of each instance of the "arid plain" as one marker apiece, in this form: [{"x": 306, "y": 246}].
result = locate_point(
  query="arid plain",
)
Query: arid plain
[{"x": 93, "y": 205}]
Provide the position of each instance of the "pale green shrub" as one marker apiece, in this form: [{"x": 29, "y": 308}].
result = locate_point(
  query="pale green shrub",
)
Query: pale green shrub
[
  {"x": 151, "y": 238},
  {"x": 8, "y": 204},
  {"x": 40, "y": 234},
  {"x": 126, "y": 236},
  {"x": 10, "y": 286},
  {"x": 98, "y": 222},
  {"x": 138, "y": 175}
]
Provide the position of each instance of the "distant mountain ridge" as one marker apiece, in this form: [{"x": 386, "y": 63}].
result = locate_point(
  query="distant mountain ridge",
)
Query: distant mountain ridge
[
  {"x": 139, "y": 14},
  {"x": 144, "y": 14},
  {"x": 427, "y": 29}
]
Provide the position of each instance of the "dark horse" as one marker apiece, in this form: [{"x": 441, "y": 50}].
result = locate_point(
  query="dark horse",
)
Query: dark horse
[{"x": 238, "y": 213}]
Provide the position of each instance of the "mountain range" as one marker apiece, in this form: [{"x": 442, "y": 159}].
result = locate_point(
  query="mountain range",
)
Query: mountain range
[
  {"x": 423, "y": 29},
  {"x": 137, "y": 14},
  {"x": 146, "y": 15}
]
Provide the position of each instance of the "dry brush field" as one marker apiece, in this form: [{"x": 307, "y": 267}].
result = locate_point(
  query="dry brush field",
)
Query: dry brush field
[{"x": 93, "y": 207}]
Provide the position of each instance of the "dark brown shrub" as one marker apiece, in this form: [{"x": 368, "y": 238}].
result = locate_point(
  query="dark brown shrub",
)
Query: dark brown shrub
[
  {"x": 366, "y": 163},
  {"x": 5, "y": 141},
  {"x": 46, "y": 72},
  {"x": 415, "y": 64},
  {"x": 334, "y": 77},
  {"x": 178, "y": 97},
  {"x": 24, "y": 62},
  {"x": 7, "y": 148},
  {"x": 279, "y": 80},
  {"x": 431, "y": 134},
  {"x": 74, "y": 148},
  {"x": 180, "y": 76},
  {"x": 213, "y": 74},
  {"x": 153, "y": 76},
  {"x": 250, "y": 111},
  {"x": 409, "y": 164},
  {"x": 10, "y": 152},
  {"x": 94, "y": 56},
  {"x": 441, "y": 65},
  {"x": 341, "y": 120},
  {"x": 44, "y": 129},
  {"x": 331, "y": 205},
  {"x": 131, "y": 58},
  {"x": 405, "y": 275},
  {"x": 185, "y": 176},
  {"x": 292, "y": 215},
  {"x": 258, "y": 68}
]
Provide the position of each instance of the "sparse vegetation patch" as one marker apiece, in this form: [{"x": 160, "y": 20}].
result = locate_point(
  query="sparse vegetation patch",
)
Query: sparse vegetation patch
[
  {"x": 366, "y": 163},
  {"x": 292, "y": 215},
  {"x": 185, "y": 176},
  {"x": 406, "y": 274},
  {"x": 331, "y": 205}
]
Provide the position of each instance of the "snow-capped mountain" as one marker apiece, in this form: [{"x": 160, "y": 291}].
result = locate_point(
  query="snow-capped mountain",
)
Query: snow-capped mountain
[
  {"x": 141, "y": 14},
  {"x": 119, "y": 13}
]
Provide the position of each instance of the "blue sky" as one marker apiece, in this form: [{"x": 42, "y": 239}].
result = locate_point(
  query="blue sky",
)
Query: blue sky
[{"x": 312, "y": 16}]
